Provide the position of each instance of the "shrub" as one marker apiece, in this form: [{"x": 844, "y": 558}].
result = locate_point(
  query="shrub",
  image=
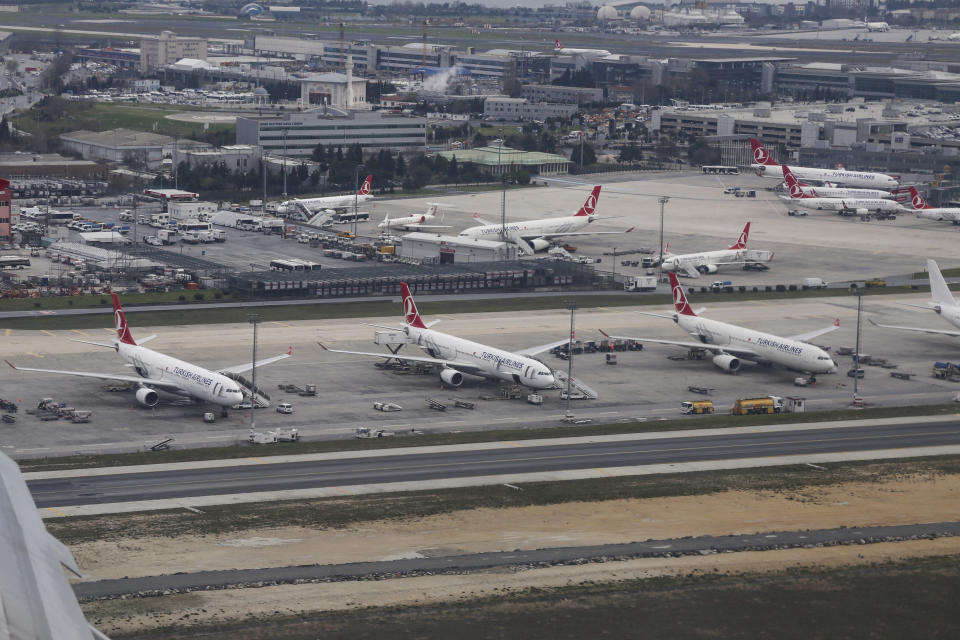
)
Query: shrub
[
  {"x": 36, "y": 304},
  {"x": 198, "y": 296},
  {"x": 103, "y": 301},
  {"x": 182, "y": 298},
  {"x": 768, "y": 288},
  {"x": 217, "y": 295},
  {"x": 70, "y": 302},
  {"x": 780, "y": 287},
  {"x": 792, "y": 287},
  {"x": 756, "y": 289},
  {"x": 744, "y": 289}
]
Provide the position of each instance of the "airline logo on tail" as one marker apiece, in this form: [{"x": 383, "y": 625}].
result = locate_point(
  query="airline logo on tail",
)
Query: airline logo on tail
[
  {"x": 760, "y": 155},
  {"x": 679, "y": 299},
  {"x": 742, "y": 240},
  {"x": 410, "y": 313},
  {"x": 365, "y": 187},
  {"x": 917, "y": 199},
  {"x": 792, "y": 184},
  {"x": 591, "y": 203},
  {"x": 123, "y": 330},
  {"x": 556, "y": 44}
]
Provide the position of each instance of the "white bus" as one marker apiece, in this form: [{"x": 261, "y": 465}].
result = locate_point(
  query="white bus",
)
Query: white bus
[
  {"x": 720, "y": 169},
  {"x": 294, "y": 264}
]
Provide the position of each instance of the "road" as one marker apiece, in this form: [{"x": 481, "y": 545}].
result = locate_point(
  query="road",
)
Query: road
[
  {"x": 183, "y": 582},
  {"x": 353, "y": 469}
]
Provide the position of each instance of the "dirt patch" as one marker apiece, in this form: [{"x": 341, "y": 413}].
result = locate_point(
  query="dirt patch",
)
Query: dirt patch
[{"x": 904, "y": 500}]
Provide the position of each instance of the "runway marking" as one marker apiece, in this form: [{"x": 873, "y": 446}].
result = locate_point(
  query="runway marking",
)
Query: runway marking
[
  {"x": 35, "y": 355},
  {"x": 6, "y": 332},
  {"x": 258, "y": 460},
  {"x": 83, "y": 333},
  {"x": 282, "y": 324},
  {"x": 109, "y": 330},
  {"x": 444, "y": 315},
  {"x": 610, "y": 309},
  {"x": 59, "y": 513},
  {"x": 34, "y": 449},
  {"x": 48, "y": 333}
]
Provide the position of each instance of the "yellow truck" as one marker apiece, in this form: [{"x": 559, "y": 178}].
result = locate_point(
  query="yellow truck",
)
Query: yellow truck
[
  {"x": 696, "y": 407},
  {"x": 748, "y": 406}
]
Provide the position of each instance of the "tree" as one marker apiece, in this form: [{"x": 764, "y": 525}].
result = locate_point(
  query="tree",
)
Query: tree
[
  {"x": 479, "y": 140},
  {"x": 588, "y": 157},
  {"x": 355, "y": 153},
  {"x": 400, "y": 170},
  {"x": 319, "y": 153},
  {"x": 630, "y": 153},
  {"x": 453, "y": 169}
]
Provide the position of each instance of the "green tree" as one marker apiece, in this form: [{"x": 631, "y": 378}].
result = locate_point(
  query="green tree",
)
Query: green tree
[
  {"x": 400, "y": 170},
  {"x": 586, "y": 158},
  {"x": 479, "y": 140},
  {"x": 319, "y": 153}
]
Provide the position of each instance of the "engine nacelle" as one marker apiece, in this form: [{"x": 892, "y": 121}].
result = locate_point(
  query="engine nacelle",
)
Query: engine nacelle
[
  {"x": 451, "y": 377},
  {"x": 708, "y": 268},
  {"x": 539, "y": 244},
  {"x": 726, "y": 362},
  {"x": 147, "y": 397}
]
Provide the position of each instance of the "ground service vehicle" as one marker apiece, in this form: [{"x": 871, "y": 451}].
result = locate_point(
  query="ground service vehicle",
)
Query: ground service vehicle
[
  {"x": 640, "y": 283},
  {"x": 696, "y": 407},
  {"x": 814, "y": 283},
  {"x": 749, "y": 406}
]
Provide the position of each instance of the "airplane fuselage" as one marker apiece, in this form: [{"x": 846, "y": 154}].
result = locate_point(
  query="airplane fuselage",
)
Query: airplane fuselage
[
  {"x": 529, "y": 230},
  {"x": 493, "y": 363},
  {"x": 840, "y": 176},
  {"x": 841, "y": 192},
  {"x": 705, "y": 259},
  {"x": 315, "y": 205},
  {"x": 791, "y": 354},
  {"x": 940, "y": 213},
  {"x": 193, "y": 381},
  {"x": 407, "y": 222},
  {"x": 848, "y": 204}
]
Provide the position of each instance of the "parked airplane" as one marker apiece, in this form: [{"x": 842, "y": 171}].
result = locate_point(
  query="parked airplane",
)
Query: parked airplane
[
  {"x": 457, "y": 356},
  {"x": 924, "y": 210},
  {"x": 941, "y": 301},
  {"x": 158, "y": 372},
  {"x": 829, "y": 190},
  {"x": 567, "y": 51},
  {"x": 766, "y": 167},
  {"x": 693, "y": 264},
  {"x": 414, "y": 222},
  {"x": 536, "y": 235},
  {"x": 327, "y": 203},
  {"x": 858, "y": 205},
  {"x": 731, "y": 344}
]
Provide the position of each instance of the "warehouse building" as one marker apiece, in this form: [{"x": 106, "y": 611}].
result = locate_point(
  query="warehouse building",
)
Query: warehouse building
[
  {"x": 168, "y": 48},
  {"x": 125, "y": 145},
  {"x": 496, "y": 160},
  {"x": 433, "y": 247}
]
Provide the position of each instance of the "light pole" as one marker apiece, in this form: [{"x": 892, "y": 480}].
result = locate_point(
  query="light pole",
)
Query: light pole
[
  {"x": 503, "y": 190},
  {"x": 572, "y": 307},
  {"x": 856, "y": 353},
  {"x": 614, "y": 267},
  {"x": 284, "y": 163},
  {"x": 253, "y": 319},
  {"x": 356, "y": 196},
  {"x": 663, "y": 200}
]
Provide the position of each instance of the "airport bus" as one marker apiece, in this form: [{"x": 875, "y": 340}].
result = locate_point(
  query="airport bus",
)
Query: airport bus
[
  {"x": 720, "y": 169},
  {"x": 294, "y": 264},
  {"x": 193, "y": 226},
  {"x": 340, "y": 218}
]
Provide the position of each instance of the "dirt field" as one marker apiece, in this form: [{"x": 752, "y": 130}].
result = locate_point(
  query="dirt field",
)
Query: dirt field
[{"x": 907, "y": 499}]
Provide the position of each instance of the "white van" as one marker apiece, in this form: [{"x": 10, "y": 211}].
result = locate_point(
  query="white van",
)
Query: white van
[{"x": 814, "y": 283}]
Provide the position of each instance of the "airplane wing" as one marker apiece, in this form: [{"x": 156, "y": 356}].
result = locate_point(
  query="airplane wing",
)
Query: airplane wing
[
  {"x": 243, "y": 368},
  {"x": 746, "y": 354},
  {"x": 810, "y": 335},
  {"x": 942, "y": 332},
  {"x": 453, "y": 364},
  {"x": 36, "y": 600},
  {"x": 481, "y": 220},
  {"x": 532, "y": 351},
  {"x": 427, "y": 226},
  {"x": 585, "y": 233},
  {"x": 166, "y": 385}
]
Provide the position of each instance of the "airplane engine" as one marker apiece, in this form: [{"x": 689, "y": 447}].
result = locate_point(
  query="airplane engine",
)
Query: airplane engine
[
  {"x": 539, "y": 244},
  {"x": 726, "y": 362},
  {"x": 708, "y": 268},
  {"x": 451, "y": 377},
  {"x": 147, "y": 397}
]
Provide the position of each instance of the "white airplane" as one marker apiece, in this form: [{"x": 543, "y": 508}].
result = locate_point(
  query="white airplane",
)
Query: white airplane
[
  {"x": 731, "y": 344},
  {"x": 924, "y": 210},
  {"x": 327, "y": 203},
  {"x": 693, "y": 264},
  {"x": 941, "y": 301},
  {"x": 567, "y": 51},
  {"x": 457, "y": 356},
  {"x": 858, "y": 205},
  {"x": 536, "y": 235},
  {"x": 765, "y": 166},
  {"x": 829, "y": 190},
  {"x": 414, "y": 222},
  {"x": 158, "y": 372}
]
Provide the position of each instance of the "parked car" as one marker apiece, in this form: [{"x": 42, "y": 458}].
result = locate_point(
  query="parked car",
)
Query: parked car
[
  {"x": 153, "y": 240},
  {"x": 284, "y": 407}
]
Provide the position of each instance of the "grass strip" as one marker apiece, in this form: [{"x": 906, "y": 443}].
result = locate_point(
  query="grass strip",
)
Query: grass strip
[
  {"x": 896, "y": 599},
  {"x": 374, "y": 308},
  {"x": 341, "y": 512},
  {"x": 470, "y": 437}
]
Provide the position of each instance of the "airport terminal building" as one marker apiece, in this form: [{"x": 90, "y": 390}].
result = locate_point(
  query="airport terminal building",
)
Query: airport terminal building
[{"x": 300, "y": 133}]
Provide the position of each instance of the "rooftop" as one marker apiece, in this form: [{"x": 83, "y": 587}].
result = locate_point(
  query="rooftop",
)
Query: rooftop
[
  {"x": 492, "y": 156},
  {"x": 118, "y": 138}
]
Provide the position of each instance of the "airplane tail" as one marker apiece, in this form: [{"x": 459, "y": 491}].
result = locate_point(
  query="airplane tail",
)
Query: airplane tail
[
  {"x": 792, "y": 185},
  {"x": 364, "y": 189},
  {"x": 917, "y": 200},
  {"x": 741, "y": 242},
  {"x": 123, "y": 329},
  {"x": 938, "y": 286},
  {"x": 590, "y": 204},
  {"x": 410, "y": 313},
  {"x": 557, "y": 45},
  {"x": 679, "y": 298},
  {"x": 760, "y": 155}
]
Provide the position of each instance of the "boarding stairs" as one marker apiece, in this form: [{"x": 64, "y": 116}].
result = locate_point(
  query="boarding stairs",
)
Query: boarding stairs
[
  {"x": 254, "y": 395},
  {"x": 577, "y": 388}
]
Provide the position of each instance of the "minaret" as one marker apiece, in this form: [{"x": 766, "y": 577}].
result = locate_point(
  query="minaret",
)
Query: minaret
[{"x": 349, "y": 82}]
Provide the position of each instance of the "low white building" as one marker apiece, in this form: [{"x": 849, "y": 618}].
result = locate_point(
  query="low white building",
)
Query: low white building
[
  {"x": 448, "y": 249},
  {"x": 523, "y": 110}
]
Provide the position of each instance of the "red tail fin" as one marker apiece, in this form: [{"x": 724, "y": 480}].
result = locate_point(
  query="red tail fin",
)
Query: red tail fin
[
  {"x": 792, "y": 185},
  {"x": 556, "y": 44},
  {"x": 364, "y": 189},
  {"x": 917, "y": 200},
  {"x": 741, "y": 242},
  {"x": 123, "y": 330},
  {"x": 679, "y": 298},
  {"x": 760, "y": 155},
  {"x": 590, "y": 204},
  {"x": 410, "y": 313}
]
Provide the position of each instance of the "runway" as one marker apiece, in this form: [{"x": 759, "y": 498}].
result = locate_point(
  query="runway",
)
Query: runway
[{"x": 471, "y": 463}]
